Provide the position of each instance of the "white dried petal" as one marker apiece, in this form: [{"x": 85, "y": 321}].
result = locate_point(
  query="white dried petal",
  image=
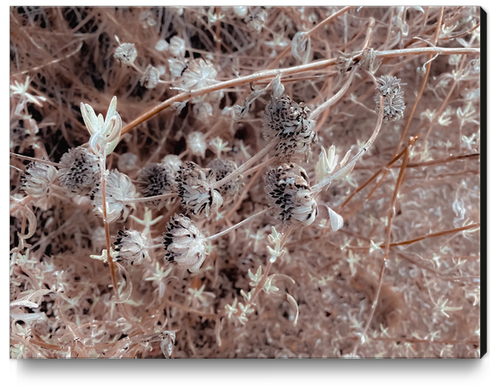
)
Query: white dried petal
[{"x": 336, "y": 220}]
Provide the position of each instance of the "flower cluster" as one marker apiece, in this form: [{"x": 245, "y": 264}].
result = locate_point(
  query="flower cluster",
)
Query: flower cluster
[
  {"x": 289, "y": 195},
  {"x": 195, "y": 188},
  {"x": 79, "y": 170},
  {"x": 185, "y": 244},
  {"x": 130, "y": 247},
  {"x": 119, "y": 192},
  {"x": 389, "y": 87},
  {"x": 154, "y": 180},
  {"x": 38, "y": 181},
  {"x": 288, "y": 121}
]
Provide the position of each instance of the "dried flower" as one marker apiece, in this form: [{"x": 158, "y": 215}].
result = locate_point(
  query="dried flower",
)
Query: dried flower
[
  {"x": 389, "y": 87},
  {"x": 195, "y": 188},
  {"x": 130, "y": 247},
  {"x": 119, "y": 190},
  {"x": 288, "y": 121},
  {"x": 38, "y": 181},
  {"x": 196, "y": 143},
  {"x": 289, "y": 195},
  {"x": 150, "y": 77},
  {"x": 198, "y": 74},
  {"x": 104, "y": 135},
  {"x": 186, "y": 245},
  {"x": 153, "y": 180},
  {"x": 221, "y": 168},
  {"x": 79, "y": 170},
  {"x": 177, "y": 46},
  {"x": 172, "y": 163},
  {"x": 125, "y": 53}
]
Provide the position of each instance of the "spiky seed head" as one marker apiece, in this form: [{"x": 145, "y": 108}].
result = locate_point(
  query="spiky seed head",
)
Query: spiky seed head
[
  {"x": 185, "y": 244},
  {"x": 289, "y": 195},
  {"x": 131, "y": 247},
  {"x": 153, "y": 180},
  {"x": 289, "y": 121},
  {"x": 221, "y": 168},
  {"x": 195, "y": 188},
  {"x": 79, "y": 170},
  {"x": 38, "y": 181}
]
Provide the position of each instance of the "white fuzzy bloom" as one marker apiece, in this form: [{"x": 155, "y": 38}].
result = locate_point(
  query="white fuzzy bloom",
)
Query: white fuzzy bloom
[
  {"x": 198, "y": 74},
  {"x": 150, "y": 77},
  {"x": 104, "y": 135},
  {"x": 186, "y": 245},
  {"x": 38, "y": 181},
  {"x": 195, "y": 188},
  {"x": 131, "y": 247},
  {"x": 79, "y": 170},
  {"x": 177, "y": 46},
  {"x": 126, "y": 53},
  {"x": 119, "y": 189},
  {"x": 197, "y": 143}
]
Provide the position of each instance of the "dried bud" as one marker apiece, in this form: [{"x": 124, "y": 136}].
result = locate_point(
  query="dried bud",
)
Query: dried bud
[
  {"x": 79, "y": 170},
  {"x": 38, "y": 181},
  {"x": 186, "y": 245},
  {"x": 150, "y": 77},
  {"x": 288, "y": 121},
  {"x": 131, "y": 247},
  {"x": 119, "y": 190},
  {"x": 289, "y": 195},
  {"x": 126, "y": 53},
  {"x": 221, "y": 169},
  {"x": 172, "y": 163},
  {"x": 195, "y": 188},
  {"x": 153, "y": 180},
  {"x": 389, "y": 87},
  {"x": 196, "y": 143}
]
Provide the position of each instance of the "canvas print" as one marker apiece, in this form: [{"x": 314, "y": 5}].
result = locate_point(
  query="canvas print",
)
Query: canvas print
[{"x": 245, "y": 182}]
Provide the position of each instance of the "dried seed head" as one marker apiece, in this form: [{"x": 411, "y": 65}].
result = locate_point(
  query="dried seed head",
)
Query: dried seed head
[
  {"x": 195, "y": 188},
  {"x": 186, "y": 245},
  {"x": 150, "y": 77},
  {"x": 131, "y": 247},
  {"x": 289, "y": 195},
  {"x": 196, "y": 143},
  {"x": 38, "y": 181},
  {"x": 119, "y": 189},
  {"x": 126, "y": 54},
  {"x": 221, "y": 168},
  {"x": 389, "y": 87},
  {"x": 153, "y": 180},
  {"x": 79, "y": 170},
  {"x": 288, "y": 121}
]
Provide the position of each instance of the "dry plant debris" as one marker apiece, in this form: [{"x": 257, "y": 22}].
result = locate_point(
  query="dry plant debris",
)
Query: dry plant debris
[{"x": 253, "y": 182}]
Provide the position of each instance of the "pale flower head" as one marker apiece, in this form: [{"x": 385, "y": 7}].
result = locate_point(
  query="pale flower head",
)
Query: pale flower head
[
  {"x": 131, "y": 247},
  {"x": 104, "y": 134}
]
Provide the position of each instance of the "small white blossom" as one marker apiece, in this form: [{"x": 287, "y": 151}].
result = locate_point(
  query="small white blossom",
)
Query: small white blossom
[
  {"x": 125, "y": 53},
  {"x": 198, "y": 74},
  {"x": 130, "y": 247},
  {"x": 38, "y": 181},
  {"x": 197, "y": 143},
  {"x": 177, "y": 46}
]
